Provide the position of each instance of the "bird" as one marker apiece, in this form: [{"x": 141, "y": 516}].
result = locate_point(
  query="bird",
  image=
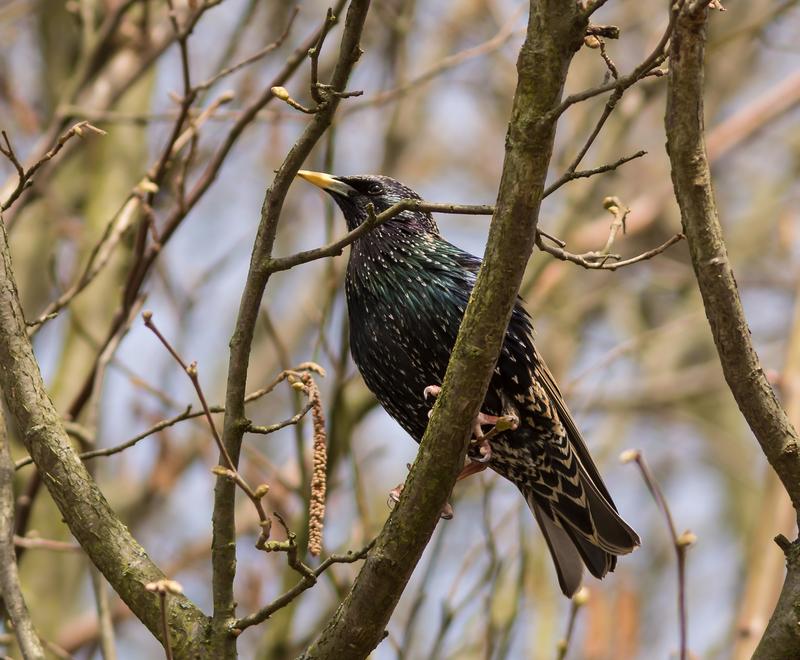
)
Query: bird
[{"x": 407, "y": 289}]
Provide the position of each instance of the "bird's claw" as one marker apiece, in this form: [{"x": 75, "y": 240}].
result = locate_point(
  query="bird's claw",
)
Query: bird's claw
[
  {"x": 447, "y": 512},
  {"x": 484, "y": 450},
  {"x": 480, "y": 439},
  {"x": 431, "y": 391}
]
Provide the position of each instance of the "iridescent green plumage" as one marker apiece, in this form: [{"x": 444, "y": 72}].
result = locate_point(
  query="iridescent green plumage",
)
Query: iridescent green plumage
[{"x": 407, "y": 290}]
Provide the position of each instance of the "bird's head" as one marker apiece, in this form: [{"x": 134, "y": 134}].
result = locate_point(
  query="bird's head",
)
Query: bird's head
[{"x": 354, "y": 194}]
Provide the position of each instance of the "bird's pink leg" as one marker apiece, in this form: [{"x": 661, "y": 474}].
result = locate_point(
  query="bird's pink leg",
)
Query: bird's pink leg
[
  {"x": 394, "y": 497},
  {"x": 498, "y": 423},
  {"x": 473, "y": 467}
]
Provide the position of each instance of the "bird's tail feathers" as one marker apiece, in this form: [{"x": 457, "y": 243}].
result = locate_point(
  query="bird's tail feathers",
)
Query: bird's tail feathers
[
  {"x": 570, "y": 543},
  {"x": 612, "y": 533},
  {"x": 569, "y": 566}
]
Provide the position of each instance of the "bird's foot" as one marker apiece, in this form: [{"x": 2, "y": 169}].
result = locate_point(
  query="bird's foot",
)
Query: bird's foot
[
  {"x": 479, "y": 438},
  {"x": 447, "y": 512},
  {"x": 473, "y": 467},
  {"x": 431, "y": 391}
]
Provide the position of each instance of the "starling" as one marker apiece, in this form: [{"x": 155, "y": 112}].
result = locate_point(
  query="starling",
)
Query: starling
[{"x": 407, "y": 290}]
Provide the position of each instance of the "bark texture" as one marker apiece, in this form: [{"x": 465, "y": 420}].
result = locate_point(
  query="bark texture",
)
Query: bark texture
[
  {"x": 691, "y": 177},
  {"x": 102, "y": 535},
  {"x": 235, "y": 423},
  {"x": 554, "y": 34}
]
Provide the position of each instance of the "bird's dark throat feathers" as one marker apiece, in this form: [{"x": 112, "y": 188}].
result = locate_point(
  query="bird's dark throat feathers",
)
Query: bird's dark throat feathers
[{"x": 382, "y": 193}]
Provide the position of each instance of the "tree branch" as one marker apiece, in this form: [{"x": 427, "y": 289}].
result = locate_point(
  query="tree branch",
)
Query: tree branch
[
  {"x": 103, "y": 536},
  {"x": 308, "y": 580},
  {"x": 740, "y": 364},
  {"x": 13, "y": 601},
  {"x": 235, "y": 424},
  {"x": 692, "y": 182},
  {"x": 555, "y": 32}
]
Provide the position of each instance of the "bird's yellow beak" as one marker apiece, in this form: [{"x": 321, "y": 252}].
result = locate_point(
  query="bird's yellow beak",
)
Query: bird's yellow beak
[{"x": 327, "y": 182}]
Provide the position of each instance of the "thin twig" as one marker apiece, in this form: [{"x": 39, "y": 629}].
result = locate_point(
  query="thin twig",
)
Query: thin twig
[
  {"x": 143, "y": 263},
  {"x": 294, "y": 419},
  {"x": 680, "y": 542},
  {"x": 25, "y": 176},
  {"x": 589, "y": 260},
  {"x": 229, "y": 469},
  {"x": 620, "y": 213},
  {"x": 572, "y": 173},
  {"x": 600, "y": 261},
  {"x": 308, "y": 580},
  {"x": 13, "y": 600},
  {"x": 648, "y": 67},
  {"x": 188, "y": 413},
  {"x": 576, "y": 603},
  {"x": 252, "y": 58},
  {"x": 314, "y": 53},
  {"x": 34, "y": 543},
  {"x": 503, "y": 36},
  {"x": 163, "y": 589},
  {"x": 104, "y": 617}
]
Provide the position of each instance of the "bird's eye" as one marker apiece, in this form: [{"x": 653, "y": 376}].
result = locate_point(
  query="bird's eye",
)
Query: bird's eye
[{"x": 375, "y": 189}]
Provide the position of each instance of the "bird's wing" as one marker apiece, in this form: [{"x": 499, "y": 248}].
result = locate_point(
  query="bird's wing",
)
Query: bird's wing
[
  {"x": 521, "y": 323},
  {"x": 573, "y": 434}
]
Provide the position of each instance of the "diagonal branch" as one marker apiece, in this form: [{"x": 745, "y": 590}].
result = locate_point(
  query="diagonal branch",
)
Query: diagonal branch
[
  {"x": 103, "y": 536},
  {"x": 235, "y": 424},
  {"x": 13, "y": 600},
  {"x": 555, "y": 32},
  {"x": 691, "y": 177}
]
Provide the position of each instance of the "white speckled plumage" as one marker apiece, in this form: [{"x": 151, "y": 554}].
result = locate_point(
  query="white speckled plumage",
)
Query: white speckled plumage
[{"x": 407, "y": 290}]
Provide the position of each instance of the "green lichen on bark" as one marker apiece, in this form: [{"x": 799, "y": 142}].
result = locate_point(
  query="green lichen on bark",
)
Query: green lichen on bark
[
  {"x": 691, "y": 176},
  {"x": 102, "y": 535},
  {"x": 555, "y": 32}
]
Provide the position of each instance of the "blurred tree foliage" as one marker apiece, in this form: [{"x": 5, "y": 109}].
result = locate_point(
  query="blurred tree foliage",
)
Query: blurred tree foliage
[{"x": 631, "y": 348}]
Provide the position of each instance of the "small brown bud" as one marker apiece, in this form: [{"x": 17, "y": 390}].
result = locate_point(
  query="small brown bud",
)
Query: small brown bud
[
  {"x": 581, "y": 597},
  {"x": 629, "y": 456},
  {"x": 280, "y": 93},
  {"x": 590, "y": 41},
  {"x": 686, "y": 539},
  {"x": 148, "y": 186}
]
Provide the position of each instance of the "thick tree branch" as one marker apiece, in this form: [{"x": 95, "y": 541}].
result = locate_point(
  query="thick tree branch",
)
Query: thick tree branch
[
  {"x": 692, "y": 181},
  {"x": 740, "y": 364},
  {"x": 10, "y": 588},
  {"x": 103, "y": 536},
  {"x": 555, "y": 31},
  {"x": 235, "y": 424}
]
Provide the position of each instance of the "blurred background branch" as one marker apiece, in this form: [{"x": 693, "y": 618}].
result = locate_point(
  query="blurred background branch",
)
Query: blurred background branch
[{"x": 630, "y": 348}]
